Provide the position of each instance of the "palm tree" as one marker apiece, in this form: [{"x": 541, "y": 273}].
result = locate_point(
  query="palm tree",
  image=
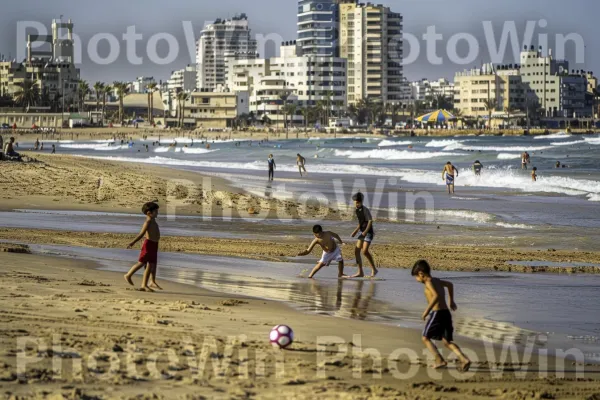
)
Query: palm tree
[
  {"x": 509, "y": 111},
  {"x": 151, "y": 89},
  {"x": 28, "y": 94},
  {"x": 321, "y": 111},
  {"x": 457, "y": 112},
  {"x": 394, "y": 108},
  {"x": 107, "y": 89},
  {"x": 99, "y": 91},
  {"x": 121, "y": 88},
  {"x": 306, "y": 113},
  {"x": 291, "y": 111},
  {"x": 490, "y": 106},
  {"x": 182, "y": 97},
  {"x": 284, "y": 98},
  {"x": 83, "y": 88}
]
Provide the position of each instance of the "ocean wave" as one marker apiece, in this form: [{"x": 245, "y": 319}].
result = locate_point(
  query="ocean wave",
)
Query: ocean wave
[
  {"x": 508, "y": 156},
  {"x": 461, "y": 146},
  {"x": 514, "y": 226},
  {"x": 443, "y": 143},
  {"x": 568, "y": 143},
  {"x": 389, "y": 154},
  {"x": 593, "y": 197},
  {"x": 390, "y": 143},
  {"x": 190, "y": 150},
  {"x": 595, "y": 140},
  {"x": 445, "y": 215},
  {"x": 560, "y": 135}
]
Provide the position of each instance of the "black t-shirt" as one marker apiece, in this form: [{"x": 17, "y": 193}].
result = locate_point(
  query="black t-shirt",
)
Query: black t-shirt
[{"x": 364, "y": 216}]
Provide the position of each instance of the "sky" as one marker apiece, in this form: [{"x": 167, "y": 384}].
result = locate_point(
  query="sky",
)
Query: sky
[{"x": 182, "y": 20}]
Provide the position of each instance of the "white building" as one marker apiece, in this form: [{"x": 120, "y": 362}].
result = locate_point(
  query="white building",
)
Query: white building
[
  {"x": 318, "y": 27},
  {"x": 307, "y": 80},
  {"x": 183, "y": 80},
  {"x": 140, "y": 85},
  {"x": 427, "y": 91},
  {"x": 219, "y": 42}
]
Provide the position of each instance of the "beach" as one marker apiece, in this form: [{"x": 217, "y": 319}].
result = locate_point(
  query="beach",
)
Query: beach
[
  {"x": 133, "y": 344},
  {"x": 229, "y": 270}
]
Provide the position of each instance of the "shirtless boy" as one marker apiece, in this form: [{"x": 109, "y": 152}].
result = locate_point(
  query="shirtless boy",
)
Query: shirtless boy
[
  {"x": 448, "y": 175},
  {"x": 439, "y": 326},
  {"x": 149, "y": 253},
  {"x": 331, "y": 250}
]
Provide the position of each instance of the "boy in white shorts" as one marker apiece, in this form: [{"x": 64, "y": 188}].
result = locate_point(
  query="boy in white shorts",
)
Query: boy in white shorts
[{"x": 331, "y": 250}]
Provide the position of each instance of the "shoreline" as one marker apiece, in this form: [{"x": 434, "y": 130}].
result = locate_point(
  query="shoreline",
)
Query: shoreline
[
  {"x": 393, "y": 256},
  {"x": 57, "y": 292}
]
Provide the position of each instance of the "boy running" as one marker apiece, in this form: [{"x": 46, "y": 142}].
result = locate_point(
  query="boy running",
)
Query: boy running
[
  {"x": 448, "y": 175},
  {"x": 367, "y": 234},
  {"x": 149, "y": 253},
  {"x": 301, "y": 161},
  {"x": 439, "y": 326},
  {"x": 331, "y": 250}
]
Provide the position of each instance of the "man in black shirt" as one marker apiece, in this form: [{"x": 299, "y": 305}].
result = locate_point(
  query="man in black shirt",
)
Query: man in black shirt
[
  {"x": 272, "y": 167},
  {"x": 367, "y": 234}
]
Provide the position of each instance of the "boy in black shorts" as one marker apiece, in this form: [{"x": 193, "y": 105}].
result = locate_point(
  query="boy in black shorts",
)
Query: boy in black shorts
[
  {"x": 367, "y": 234},
  {"x": 439, "y": 326}
]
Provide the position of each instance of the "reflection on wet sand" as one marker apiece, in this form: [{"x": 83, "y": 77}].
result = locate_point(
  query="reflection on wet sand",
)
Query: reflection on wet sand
[{"x": 355, "y": 299}]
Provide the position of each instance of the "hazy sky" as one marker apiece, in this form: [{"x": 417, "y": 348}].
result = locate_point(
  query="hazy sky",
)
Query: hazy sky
[{"x": 278, "y": 17}]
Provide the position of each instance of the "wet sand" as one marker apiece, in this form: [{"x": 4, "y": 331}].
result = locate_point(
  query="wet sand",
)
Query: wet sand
[{"x": 142, "y": 345}]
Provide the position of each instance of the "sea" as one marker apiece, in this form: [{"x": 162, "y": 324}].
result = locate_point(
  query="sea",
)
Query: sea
[{"x": 404, "y": 187}]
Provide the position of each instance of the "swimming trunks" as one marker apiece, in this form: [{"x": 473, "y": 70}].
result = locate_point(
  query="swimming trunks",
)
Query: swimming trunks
[
  {"x": 439, "y": 326},
  {"x": 149, "y": 253},
  {"x": 449, "y": 179},
  {"x": 328, "y": 258}
]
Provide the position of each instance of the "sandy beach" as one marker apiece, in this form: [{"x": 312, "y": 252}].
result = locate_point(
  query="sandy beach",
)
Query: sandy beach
[{"x": 189, "y": 343}]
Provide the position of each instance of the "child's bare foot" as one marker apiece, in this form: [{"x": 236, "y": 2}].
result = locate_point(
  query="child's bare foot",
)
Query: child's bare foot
[
  {"x": 343, "y": 277},
  {"x": 439, "y": 365},
  {"x": 464, "y": 367},
  {"x": 128, "y": 279},
  {"x": 155, "y": 285},
  {"x": 146, "y": 289},
  {"x": 359, "y": 275},
  {"x": 375, "y": 272}
]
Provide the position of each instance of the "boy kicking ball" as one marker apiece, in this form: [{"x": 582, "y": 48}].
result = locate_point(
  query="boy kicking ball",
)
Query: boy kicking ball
[
  {"x": 439, "y": 326},
  {"x": 331, "y": 250}
]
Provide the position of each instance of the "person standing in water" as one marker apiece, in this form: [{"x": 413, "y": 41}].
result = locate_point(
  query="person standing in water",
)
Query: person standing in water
[
  {"x": 272, "y": 167},
  {"x": 448, "y": 175},
  {"x": 525, "y": 159},
  {"x": 301, "y": 161},
  {"x": 477, "y": 167}
]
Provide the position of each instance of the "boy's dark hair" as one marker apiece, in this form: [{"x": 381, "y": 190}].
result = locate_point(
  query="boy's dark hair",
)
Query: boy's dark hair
[
  {"x": 358, "y": 197},
  {"x": 449, "y": 163},
  {"x": 149, "y": 207},
  {"x": 421, "y": 266},
  {"x": 317, "y": 229},
  {"x": 535, "y": 168}
]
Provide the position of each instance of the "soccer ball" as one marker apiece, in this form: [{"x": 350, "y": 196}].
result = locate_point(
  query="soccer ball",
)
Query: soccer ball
[{"x": 281, "y": 336}]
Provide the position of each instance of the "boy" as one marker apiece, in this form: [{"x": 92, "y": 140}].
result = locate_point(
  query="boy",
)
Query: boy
[
  {"x": 448, "y": 175},
  {"x": 439, "y": 326},
  {"x": 367, "y": 234},
  {"x": 331, "y": 250},
  {"x": 534, "y": 174},
  {"x": 149, "y": 253},
  {"x": 477, "y": 167}
]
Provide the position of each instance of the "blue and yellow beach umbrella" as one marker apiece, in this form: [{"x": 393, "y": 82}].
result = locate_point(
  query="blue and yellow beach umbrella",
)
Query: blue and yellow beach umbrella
[{"x": 438, "y": 116}]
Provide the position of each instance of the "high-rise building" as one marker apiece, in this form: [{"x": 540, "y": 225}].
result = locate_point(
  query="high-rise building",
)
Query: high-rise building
[
  {"x": 304, "y": 80},
  {"x": 183, "y": 80},
  {"x": 318, "y": 27},
  {"x": 53, "y": 71},
  {"x": 222, "y": 40},
  {"x": 371, "y": 40}
]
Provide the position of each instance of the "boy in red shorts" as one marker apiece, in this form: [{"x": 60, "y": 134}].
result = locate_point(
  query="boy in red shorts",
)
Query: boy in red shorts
[{"x": 149, "y": 254}]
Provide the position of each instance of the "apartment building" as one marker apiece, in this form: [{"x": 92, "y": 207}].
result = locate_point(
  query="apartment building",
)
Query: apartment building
[
  {"x": 183, "y": 80},
  {"x": 212, "y": 109},
  {"x": 220, "y": 41},
  {"x": 371, "y": 41},
  {"x": 318, "y": 28}
]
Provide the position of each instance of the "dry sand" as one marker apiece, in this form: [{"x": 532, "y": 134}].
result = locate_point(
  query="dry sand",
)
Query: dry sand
[{"x": 92, "y": 317}]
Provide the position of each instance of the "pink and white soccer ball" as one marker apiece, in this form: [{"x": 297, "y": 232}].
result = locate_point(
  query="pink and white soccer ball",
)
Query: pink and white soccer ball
[{"x": 281, "y": 336}]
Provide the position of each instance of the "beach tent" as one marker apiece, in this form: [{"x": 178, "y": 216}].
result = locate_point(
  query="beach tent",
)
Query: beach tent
[{"x": 437, "y": 117}]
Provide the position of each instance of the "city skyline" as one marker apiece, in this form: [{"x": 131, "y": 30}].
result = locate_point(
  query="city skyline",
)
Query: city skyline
[{"x": 272, "y": 17}]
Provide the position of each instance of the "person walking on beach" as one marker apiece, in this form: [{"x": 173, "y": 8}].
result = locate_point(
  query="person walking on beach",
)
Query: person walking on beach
[
  {"x": 534, "y": 174},
  {"x": 365, "y": 239},
  {"x": 53, "y": 149},
  {"x": 149, "y": 254},
  {"x": 477, "y": 167},
  {"x": 439, "y": 326},
  {"x": 301, "y": 161},
  {"x": 331, "y": 250},
  {"x": 272, "y": 166},
  {"x": 448, "y": 175},
  {"x": 525, "y": 159}
]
